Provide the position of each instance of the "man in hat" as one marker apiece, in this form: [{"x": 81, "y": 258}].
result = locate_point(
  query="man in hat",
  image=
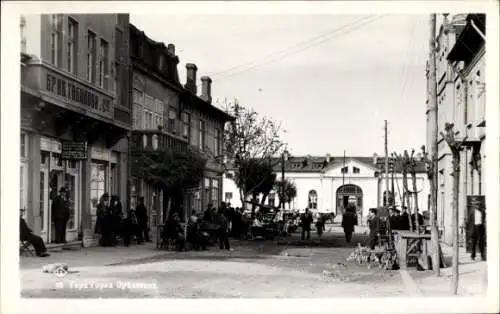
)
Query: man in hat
[
  {"x": 26, "y": 234},
  {"x": 60, "y": 215},
  {"x": 395, "y": 219}
]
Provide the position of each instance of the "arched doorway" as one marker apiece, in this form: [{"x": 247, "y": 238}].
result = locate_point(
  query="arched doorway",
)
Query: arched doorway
[{"x": 349, "y": 193}]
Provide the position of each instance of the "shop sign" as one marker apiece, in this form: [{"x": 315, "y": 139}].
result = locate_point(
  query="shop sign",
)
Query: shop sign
[
  {"x": 79, "y": 94},
  {"x": 74, "y": 150}
]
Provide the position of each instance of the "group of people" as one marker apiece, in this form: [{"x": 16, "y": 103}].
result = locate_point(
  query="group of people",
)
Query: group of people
[
  {"x": 213, "y": 223},
  {"x": 111, "y": 223}
]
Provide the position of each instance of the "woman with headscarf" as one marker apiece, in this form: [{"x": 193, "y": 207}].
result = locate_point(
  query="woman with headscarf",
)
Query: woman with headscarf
[{"x": 104, "y": 222}]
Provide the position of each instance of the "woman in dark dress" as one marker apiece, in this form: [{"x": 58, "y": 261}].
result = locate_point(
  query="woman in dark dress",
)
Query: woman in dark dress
[{"x": 104, "y": 222}]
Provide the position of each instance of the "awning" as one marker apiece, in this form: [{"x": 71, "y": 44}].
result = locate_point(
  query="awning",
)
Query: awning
[{"x": 470, "y": 41}]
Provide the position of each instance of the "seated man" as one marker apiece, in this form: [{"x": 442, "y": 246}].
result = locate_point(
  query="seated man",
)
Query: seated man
[{"x": 26, "y": 234}]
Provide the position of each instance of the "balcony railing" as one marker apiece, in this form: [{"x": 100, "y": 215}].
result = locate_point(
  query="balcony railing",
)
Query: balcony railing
[{"x": 156, "y": 140}]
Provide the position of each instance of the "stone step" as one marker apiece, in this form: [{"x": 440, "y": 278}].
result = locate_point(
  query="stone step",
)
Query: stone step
[{"x": 58, "y": 247}]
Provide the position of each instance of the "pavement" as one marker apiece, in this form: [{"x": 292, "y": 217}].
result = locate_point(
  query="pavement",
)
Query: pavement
[
  {"x": 472, "y": 282},
  {"x": 252, "y": 269}
]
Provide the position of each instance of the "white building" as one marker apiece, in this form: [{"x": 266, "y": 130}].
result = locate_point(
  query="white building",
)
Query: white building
[{"x": 327, "y": 184}]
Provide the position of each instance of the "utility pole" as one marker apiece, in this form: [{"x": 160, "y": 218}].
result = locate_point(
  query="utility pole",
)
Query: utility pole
[
  {"x": 343, "y": 183},
  {"x": 386, "y": 194},
  {"x": 433, "y": 153}
]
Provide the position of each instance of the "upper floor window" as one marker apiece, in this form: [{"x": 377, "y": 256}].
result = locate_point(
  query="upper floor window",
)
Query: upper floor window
[
  {"x": 344, "y": 170},
  {"x": 217, "y": 141},
  {"x": 138, "y": 109},
  {"x": 72, "y": 45},
  {"x": 103, "y": 64},
  {"x": 186, "y": 122},
  {"x": 24, "y": 145},
  {"x": 56, "y": 40},
  {"x": 171, "y": 120},
  {"x": 91, "y": 56},
  {"x": 201, "y": 135},
  {"x": 355, "y": 170}
]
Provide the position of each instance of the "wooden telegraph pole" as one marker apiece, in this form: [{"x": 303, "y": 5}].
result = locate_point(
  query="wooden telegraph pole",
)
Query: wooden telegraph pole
[
  {"x": 433, "y": 149},
  {"x": 386, "y": 192}
]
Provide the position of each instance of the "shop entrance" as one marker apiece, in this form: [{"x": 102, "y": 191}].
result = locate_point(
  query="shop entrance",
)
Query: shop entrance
[{"x": 349, "y": 194}]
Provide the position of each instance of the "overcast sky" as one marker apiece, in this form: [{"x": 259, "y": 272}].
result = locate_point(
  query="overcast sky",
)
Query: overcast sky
[{"x": 330, "y": 79}]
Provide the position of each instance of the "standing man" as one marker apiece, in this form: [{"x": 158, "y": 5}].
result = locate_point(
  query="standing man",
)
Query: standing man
[
  {"x": 479, "y": 233},
  {"x": 60, "y": 215},
  {"x": 374, "y": 225},
  {"x": 222, "y": 232},
  {"x": 142, "y": 219},
  {"x": 306, "y": 220},
  {"x": 348, "y": 223}
]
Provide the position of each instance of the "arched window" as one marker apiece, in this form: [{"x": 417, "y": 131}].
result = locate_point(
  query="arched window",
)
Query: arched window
[
  {"x": 312, "y": 199},
  {"x": 144, "y": 141},
  {"x": 155, "y": 142}
]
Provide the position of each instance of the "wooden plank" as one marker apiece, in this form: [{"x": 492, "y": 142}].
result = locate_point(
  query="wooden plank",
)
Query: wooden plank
[{"x": 402, "y": 253}]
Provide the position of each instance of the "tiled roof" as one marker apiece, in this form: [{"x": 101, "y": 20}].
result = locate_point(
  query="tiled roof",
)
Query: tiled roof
[{"x": 313, "y": 164}]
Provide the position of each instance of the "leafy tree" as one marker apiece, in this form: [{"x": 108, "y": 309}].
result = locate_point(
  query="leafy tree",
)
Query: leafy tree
[
  {"x": 250, "y": 143},
  {"x": 171, "y": 171},
  {"x": 290, "y": 191}
]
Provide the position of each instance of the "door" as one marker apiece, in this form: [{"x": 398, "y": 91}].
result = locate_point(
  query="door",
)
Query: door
[
  {"x": 71, "y": 182},
  {"x": 44, "y": 204}
]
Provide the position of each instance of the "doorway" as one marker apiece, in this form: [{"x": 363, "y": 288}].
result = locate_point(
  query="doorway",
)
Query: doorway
[{"x": 349, "y": 194}]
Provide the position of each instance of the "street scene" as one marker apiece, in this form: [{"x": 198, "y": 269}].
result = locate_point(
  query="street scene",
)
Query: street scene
[{"x": 307, "y": 156}]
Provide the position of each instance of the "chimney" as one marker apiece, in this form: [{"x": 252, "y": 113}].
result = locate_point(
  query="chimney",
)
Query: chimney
[
  {"x": 206, "y": 89},
  {"x": 171, "y": 49},
  {"x": 191, "y": 77},
  {"x": 375, "y": 159},
  {"x": 328, "y": 158}
]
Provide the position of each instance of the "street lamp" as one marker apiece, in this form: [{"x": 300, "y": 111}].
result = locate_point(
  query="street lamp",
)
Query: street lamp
[{"x": 284, "y": 158}]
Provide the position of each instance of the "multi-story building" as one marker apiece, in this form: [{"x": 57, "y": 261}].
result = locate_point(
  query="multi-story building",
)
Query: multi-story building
[
  {"x": 75, "y": 116},
  {"x": 170, "y": 116},
  {"x": 327, "y": 184},
  {"x": 460, "y": 71}
]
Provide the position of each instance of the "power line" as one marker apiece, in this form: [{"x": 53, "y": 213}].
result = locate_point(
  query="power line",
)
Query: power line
[
  {"x": 290, "y": 47},
  {"x": 339, "y": 32}
]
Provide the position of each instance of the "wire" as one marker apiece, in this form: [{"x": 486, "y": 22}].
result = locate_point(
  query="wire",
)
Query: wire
[
  {"x": 335, "y": 34},
  {"x": 288, "y": 48}
]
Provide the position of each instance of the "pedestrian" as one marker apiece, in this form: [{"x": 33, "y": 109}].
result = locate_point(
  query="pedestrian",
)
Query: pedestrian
[
  {"x": 116, "y": 212},
  {"x": 320, "y": 225},
  {"x": 26, "y": 234},
  {"x": 405, "y": 220},
  {"x": 374, "y": 225},
  {"x": 395, "y": 219},
  {"x": 222, "y": 231},
  {"x": 104, "y": 222},
  {"x": 478, "y": 235},
  {"x": 348, "y": 223},
  {"x": 60, "y": 215},
  {"x": 131, "y": 228},
  {"x": 142, "y": 219},
  {"x": 305, "y": 222}
]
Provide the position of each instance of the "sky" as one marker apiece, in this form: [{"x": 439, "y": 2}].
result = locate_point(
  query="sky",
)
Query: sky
[{"x": 331, "y": 80}]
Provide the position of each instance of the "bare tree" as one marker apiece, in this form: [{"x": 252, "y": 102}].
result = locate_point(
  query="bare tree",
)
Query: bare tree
[
  {"x": 403, "y": 163},
  {"x": 455, "y": 148},
  {"x": 250, "y": 140}
]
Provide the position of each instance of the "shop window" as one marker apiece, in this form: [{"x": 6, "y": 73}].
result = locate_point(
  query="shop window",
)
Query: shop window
[
  {"x": 206, "y": 192},
  {"x": 228, "y": 196}
]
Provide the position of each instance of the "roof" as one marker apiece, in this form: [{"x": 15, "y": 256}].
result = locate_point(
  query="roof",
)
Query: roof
[
  {"x": 469, "y": 42},
  {"x": 314, "y": 164},
  {"x": 203, "y": 105}
]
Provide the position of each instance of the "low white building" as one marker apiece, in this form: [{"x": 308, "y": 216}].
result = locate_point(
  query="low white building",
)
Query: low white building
[{"x": 328, "y": 184}]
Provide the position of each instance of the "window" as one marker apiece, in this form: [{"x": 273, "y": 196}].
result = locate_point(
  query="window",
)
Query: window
[
  {"x": 138, "y": 121},
  {"x": 24, "y": 147},
  {"x": 103, "y": 64},
  {"x": 355, "y": 170},
  {"x": 206, "y": 191},
  {"x": 159, "y": 113},
  {"x": 171, "y": 120},
  {"x": 186, "y": 122},
  {"x": 229, "y": 175},
  {"x": 217, "y": 142},
  {"x": 312, "y": 199},
  {"x": 72, "y": 45},
  {"x": 201, "y": 135},
  {"x": 55, "y": 39},
  {"x": 91, "y": 54},
  {"x": 344, "y": 170},
  {"x": 215, "y": 192},
  {"x": 228, "y": 196},
  {"x": 272, "y": 199}
]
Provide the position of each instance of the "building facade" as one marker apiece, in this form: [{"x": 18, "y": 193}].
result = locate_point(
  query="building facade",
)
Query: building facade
[
  {"x": 171, "y": 116},
  {"x": 329, "y": 184},
  {"x": 460, "y": 71},
  {"x": 75, "y": 116}
]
